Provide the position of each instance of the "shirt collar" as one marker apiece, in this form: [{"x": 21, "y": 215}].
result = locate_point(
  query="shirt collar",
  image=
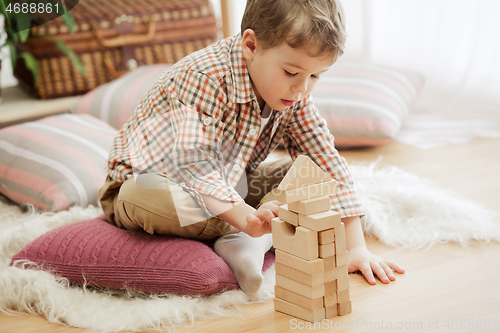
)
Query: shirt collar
[{"x": 243, "y": 91}]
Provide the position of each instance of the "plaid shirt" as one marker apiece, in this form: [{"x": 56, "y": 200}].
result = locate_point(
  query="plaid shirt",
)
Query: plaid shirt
[{"x": 199, "y": 125}]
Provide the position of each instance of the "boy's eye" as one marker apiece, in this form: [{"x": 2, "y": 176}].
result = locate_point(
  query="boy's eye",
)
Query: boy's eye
[
  {"x": 290, "y": 74},
  {"x": 315, "y": 77}
]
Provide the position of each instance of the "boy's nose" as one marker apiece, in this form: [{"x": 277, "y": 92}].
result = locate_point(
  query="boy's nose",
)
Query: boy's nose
[{"x": 300, "y": 87}]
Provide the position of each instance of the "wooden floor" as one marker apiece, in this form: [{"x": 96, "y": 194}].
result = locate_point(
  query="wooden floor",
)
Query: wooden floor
[{"x": 445, "y": 289}]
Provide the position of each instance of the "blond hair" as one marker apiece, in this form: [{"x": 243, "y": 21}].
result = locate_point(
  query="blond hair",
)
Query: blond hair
[{"x": 316, "y": 25}]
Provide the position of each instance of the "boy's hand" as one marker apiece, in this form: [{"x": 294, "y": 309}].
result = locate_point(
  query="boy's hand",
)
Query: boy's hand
[
  {"x": 367, "y": 263},
  {"x": 259, "y": 223}
]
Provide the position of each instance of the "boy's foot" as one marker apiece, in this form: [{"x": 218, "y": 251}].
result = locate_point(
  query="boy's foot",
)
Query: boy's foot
[{"x": 245, "y": 256}]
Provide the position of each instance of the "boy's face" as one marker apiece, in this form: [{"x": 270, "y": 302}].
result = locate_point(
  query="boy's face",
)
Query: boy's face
[{"x": 281, "y": 75}]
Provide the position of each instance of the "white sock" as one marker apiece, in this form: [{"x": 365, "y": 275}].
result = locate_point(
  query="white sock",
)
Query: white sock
[{"x": 245, "y": 256}]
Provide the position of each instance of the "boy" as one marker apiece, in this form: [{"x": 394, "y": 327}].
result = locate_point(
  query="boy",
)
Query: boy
[{"x": 176, "y": 165}]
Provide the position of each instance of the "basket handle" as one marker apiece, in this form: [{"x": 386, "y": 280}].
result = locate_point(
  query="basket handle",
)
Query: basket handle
[
  {"x": 110, "y": 66},
  {"x": 125, "y": 39}
]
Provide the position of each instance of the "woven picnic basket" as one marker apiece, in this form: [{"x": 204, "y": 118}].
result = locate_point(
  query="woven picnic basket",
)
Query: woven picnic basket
[{"x": 113, "y": 37}]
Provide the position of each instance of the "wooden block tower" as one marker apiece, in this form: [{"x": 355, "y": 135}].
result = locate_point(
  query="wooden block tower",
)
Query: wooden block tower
[{"x": 312, "y": 281}]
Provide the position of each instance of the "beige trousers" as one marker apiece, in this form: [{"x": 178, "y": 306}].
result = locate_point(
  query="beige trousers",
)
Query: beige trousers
[{"x": 152, "y": 208}]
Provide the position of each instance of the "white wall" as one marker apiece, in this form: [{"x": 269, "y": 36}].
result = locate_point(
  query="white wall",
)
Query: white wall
[
  {"x": 355, "y": 49},
  {"x": 454, "y": 44},
  {"x": 6, "y": 77},
  {"x": 238, "y": 8}
]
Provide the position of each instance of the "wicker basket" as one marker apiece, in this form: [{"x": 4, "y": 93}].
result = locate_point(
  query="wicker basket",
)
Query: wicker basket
[{"x": 113, "y": 37}]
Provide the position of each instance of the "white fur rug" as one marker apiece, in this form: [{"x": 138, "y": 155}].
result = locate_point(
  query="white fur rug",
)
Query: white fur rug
[
  {"x": 406, "y": 211},
  {"x": 402, "y": 211}
]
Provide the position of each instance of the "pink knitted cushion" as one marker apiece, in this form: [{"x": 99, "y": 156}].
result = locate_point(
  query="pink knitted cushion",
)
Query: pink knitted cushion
[{"x": 98, "y": 254}]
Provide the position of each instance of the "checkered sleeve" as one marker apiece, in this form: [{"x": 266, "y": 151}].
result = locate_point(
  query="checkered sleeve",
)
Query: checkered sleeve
[
  {"x": 198, "y": 153},
  {"x": 307, "y": 133}
]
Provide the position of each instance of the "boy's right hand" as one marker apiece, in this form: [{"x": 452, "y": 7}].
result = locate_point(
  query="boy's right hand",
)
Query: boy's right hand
[{"x": 259, "y": 223}]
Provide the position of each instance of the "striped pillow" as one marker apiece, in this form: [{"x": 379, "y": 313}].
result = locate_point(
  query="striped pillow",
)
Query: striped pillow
[
  {"x": 365, "y": 104},
  {"x": 115, "y": 101},
  {"x": 55, "y": 162}
]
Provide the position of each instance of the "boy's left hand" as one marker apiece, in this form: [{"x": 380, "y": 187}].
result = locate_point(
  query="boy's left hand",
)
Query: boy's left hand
[
  {"x": 360, "y": 259},
  {"x": 259, "y": 223}
]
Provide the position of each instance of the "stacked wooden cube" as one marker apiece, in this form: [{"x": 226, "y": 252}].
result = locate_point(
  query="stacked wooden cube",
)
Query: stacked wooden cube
[{"x": 312, "y": 281}]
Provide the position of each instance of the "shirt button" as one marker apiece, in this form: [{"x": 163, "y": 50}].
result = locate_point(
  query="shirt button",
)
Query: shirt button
[
  {"x": 207, "y": 121},
  {"x": 252, "y": 132},
  {"x": 183, "y": 184},
  {"x": 237, "y": 167}
]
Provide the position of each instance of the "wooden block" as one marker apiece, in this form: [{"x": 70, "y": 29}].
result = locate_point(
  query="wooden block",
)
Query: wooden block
[
  {"x": 286, "y": 215},
  {"x": 294, "y": 298},
  {"x": 296, "y": 275},
  {"x": 320, "y": 221},
  {"x": 326, "y": 236},
  {"x": 331, "y": 288},
  {"x": 336, "y": 273},
  {"x": 344, "y": 308},
  {"x": 342, "y": 283},
  {"x": 330, "y": 297},
  {"x": 343, "y": 296},
  {"x": 307, "y": 192},
  {"x": 303, "y": 172},
  {"x": 299, "y": 312},
  {"x": 299, "y": 241},
  {"x": 331, "y": 311},
  {"x": 307, "y": 266},
  {"x": 326, "y": 250},
  {"x": 310, "y": 206},
  {"x": 340, "y": 240},
  {"x": 299, "y": 288},
  {"x": 341, "y": 259},
  {"x": 329, "y": 263}
]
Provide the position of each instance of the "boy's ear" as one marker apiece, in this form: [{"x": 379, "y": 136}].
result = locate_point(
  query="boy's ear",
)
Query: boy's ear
[{"x": 249, "y": 44}]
